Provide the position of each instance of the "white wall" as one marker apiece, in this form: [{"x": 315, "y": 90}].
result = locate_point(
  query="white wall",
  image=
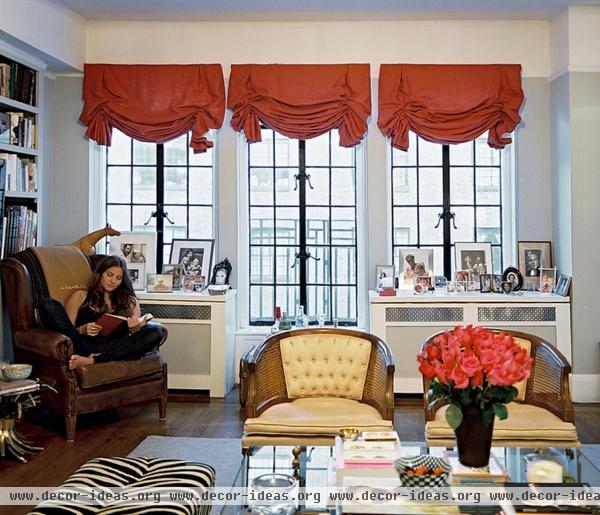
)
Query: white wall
[{"x": 479, "y": 41}]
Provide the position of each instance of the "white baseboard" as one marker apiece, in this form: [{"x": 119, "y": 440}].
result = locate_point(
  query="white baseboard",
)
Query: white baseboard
[{"x": 585, "y": 387}]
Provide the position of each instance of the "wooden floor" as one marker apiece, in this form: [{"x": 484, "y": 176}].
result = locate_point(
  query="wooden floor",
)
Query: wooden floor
[{"x": 117, "y": 432}]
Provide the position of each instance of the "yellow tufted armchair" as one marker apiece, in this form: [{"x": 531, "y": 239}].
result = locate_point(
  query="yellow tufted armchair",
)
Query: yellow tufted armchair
[{"x": 304, "y": 385}]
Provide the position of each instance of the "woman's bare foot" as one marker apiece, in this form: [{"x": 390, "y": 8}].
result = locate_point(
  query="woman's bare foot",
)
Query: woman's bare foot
[{"x": 77, "y": 361}]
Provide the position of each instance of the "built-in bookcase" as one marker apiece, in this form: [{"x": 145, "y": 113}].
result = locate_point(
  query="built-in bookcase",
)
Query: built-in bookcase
[{"x": 20, "y": 151}]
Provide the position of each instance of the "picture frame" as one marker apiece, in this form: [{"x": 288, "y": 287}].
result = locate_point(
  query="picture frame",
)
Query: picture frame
[
  {"x": 562, "y": 285},
  {"x": 547, "y": 279},
  {"x": 135, "y": 247},
  {"x": 159, "y": 283},
  {"x": 486, "y": 283},
  {"x": 425, "y": 281},
  {"x": 497, "y": 281},
  {"x": 194, "y": 256},
  {"x": 137, "y": 274},
  {"x": 462, "y": 276},
  {"x": 533, "y": 255},
  {"x": 175, "y": 271},
  {"x": 384, "y": 276},
  {"x": 475, "y": 257},
  {"x": 414, "y": 262}
]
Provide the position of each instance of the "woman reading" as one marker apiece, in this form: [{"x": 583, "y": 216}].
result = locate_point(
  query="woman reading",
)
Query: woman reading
[{"x": 109, "y": 291}]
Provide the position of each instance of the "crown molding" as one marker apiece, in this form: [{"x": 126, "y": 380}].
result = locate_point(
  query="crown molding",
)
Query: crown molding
[{"x": 21, "y": 56}]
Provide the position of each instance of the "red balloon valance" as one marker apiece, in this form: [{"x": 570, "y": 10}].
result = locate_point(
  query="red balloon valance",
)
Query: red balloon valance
[
  {"x": 449, "y": 103},
  {"x": 301, "y": 101},
  {"x": 154, "y": 103}
]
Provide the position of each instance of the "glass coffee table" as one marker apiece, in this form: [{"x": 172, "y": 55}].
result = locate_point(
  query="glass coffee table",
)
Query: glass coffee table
[{"x": 314, "y": 467}]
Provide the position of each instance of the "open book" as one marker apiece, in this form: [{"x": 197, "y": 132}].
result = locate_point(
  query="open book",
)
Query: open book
[{"x": 111, "y": 323}]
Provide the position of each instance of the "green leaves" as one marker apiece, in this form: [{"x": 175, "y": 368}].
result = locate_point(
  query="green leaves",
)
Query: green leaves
[
  {"x": 500, "y": 411},
  {"x": 454, "y": 416}
]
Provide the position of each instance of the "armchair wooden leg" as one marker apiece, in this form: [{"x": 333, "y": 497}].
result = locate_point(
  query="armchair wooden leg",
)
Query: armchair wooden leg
[
  {"x": 70, "y": 424},
  {"x": 162, "y": 407}
]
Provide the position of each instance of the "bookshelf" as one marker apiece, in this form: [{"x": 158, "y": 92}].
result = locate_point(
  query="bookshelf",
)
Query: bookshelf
[{"x": 20, "y": 150}]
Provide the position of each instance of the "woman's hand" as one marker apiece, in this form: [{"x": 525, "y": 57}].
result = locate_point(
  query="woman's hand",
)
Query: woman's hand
[
  {"x": 89, "y": 329},
  {"x": 136, "y": 323}
]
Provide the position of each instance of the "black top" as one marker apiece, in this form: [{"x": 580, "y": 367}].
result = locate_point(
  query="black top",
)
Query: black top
[{"x": 86, "y": 315}]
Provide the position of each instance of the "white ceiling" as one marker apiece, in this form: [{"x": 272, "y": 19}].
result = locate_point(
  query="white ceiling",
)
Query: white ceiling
[{"x": 313, "y": 10}]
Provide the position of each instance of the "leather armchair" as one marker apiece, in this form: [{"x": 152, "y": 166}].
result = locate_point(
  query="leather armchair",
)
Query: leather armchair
[
  {"x": 540, "y": 416},
  {"x": 304, "y": 385},
  {"x": 56, "y": 271}
]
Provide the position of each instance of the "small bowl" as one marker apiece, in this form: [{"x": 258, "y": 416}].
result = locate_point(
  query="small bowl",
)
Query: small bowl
[
  {"x": 349, "y": 434},
  {"x": 16, "y": 372},
  {"x": 217, "y": 289},
  {"x": 403, "y": 465}
]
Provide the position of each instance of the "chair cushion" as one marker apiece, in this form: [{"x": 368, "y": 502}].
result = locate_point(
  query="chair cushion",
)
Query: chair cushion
[
  {"x": 132, "y": 476},
  {"x": 65, "y": 269},
  {"x": 317, "y": 365},
  {"x": 316, "y": 416},
  {"x": 524, "y": 422},
  {"x": 521, "y": 386},
  {"x": 98, "y": 374}
]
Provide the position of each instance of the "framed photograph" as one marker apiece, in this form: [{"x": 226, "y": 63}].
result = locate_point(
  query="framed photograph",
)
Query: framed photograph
[
  {"x": 547, "y": 279},
  {"x": 497, "y": 281},
  {"x": 175, "y": 271},
  {"x": 194, "y": 256},
  {"x": 159, "y": 283},
  {"x": 425, "y": 281},
  {"x": 5, "y": 128},
  {"x": 137, "y": 274},
  {"x": 441, "y": 281},
  {"x": 462, "y": 276},
  {"x": 415, "y": 262},
  {"x": 384, "y": 276},
  {"x": 534, "y": 255},
  {"x": 486, "y": 283},
  {"x": 476, "y": 258},
  {"x": 562, "y": 285},
  {"x": 136, "y": 247}
]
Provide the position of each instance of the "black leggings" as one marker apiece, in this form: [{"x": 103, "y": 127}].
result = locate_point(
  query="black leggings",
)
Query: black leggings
[{"x": 53, "y": 316}]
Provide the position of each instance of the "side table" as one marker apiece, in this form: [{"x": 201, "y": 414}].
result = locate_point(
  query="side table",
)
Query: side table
[{"x": 14, "y": 399}]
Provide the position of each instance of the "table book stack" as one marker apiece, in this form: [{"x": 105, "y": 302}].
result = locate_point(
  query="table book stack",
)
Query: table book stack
[
  {"x": 461, "y": 474},
  {"x": 23, "y": 385}
]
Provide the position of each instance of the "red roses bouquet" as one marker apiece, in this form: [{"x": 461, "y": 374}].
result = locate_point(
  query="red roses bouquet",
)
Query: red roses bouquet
[{"x": 472, "y": 366}]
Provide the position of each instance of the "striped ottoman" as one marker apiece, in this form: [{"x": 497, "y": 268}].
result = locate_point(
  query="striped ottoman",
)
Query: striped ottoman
[{"x": 133, "y": 479}]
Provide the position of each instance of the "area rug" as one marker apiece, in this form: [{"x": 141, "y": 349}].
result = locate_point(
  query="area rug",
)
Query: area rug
[{"x": 223, "y": 454}]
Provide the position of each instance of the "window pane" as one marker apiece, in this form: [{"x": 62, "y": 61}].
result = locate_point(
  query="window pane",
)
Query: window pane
[
  {"x": 201, "y": 222},
  {"x": 340, "y": 156},
  {"x": 201, "y": 186},
  {"x": 141, "y": 215},
  {"x": 261, "y": 186},
  {"x": 438, "y": 260},
  {"x": 430, "y": 154},
  {"x": 286, "y": 257},
  {"x": 176, "y": 185},
  {"x": 344, "y": 303},
  {"x": 119, "y": 152},
  {"x": 144, "y": 153},
  {"x": 343, "y": 187},
  {"x": 286, "y": 182},
  {"x": 119, "y": 216},
  {"x": 461, "y": 154},
  {"x": 428, "y": 219},
  {"x": 261, "y": 225},
  {"x": 261, "y": 153},
  {"x": 319, "y": 178},
  {"x": 262, "y": 265},
  {"x": 497, "y": 259},
  {"x": 486, "y": 155},
  {"x": 317, "y": 225},
  {"x": 488, "y": 224},
  {"x": 202, "y": 158},
  {"x": 408, "y": 157},
  {"x": 318, "y": 271},
  {"x": 343, "y": 261},
  {"x": 287, "y": 225},
  {"x": 261, "y": 305},
  {"x": 177, "y": 214},
  {"x": 343, "y": 226},
  {"x": 144, "y": 185},
  {"x": 176, "y": 151},
  {"x": 405, "y": 226},
  {"x": 319, "y": 301},
  {"x": 430, "y": 186},
  {"x": 461, "y": 185},
  {"x": 287, "y": 299},
  {"x": 404, "y": 182},
  {"x": 119, "y": 184},
  {"x": 317, "y": 150},
  {"x": 465, "y": 223},
  {"x": 286, "y": 151},
  {"x": 488, "y": 185}
]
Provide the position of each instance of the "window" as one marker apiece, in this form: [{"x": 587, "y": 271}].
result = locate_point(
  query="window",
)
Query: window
[
  {"x": 302, "y": 214},
  {"x": 459, "y": 186},
  {"x": 159, "y": 187}
]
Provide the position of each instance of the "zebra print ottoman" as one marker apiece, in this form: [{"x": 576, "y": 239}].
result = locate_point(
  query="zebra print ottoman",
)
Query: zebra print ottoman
[{"x": 138, "y": 482}]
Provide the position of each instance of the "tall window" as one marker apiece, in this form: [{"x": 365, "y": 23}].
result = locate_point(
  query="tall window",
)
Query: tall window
[
  {"x": 159, "y": 187},
  {"x": 303, "y": 237},
  {"x": 442, "y": 194}
]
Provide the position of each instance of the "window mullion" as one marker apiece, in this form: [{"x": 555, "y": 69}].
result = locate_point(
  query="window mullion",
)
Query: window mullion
[
  {"x": 302, "y": 221},
  {"x": 446, "y": 210},
  {"x": 160, "y": 201}
]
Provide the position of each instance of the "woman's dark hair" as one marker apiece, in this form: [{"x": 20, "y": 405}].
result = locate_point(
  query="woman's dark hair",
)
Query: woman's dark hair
[{"x": 122, "y": 298}]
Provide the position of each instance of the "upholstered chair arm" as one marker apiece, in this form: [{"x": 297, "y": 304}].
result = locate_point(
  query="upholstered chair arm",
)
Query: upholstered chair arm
[
  {"x": 548, "y": 385},
  {"x": 266, "y": 380},
  {"x": 379, "y": 382},
  {"x": 44, "y": 342}
]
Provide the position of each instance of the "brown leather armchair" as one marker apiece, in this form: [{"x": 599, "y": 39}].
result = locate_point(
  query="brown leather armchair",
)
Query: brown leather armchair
[
  {"x": 56, "y": 271},
  {"x": 540, "y": 416}
]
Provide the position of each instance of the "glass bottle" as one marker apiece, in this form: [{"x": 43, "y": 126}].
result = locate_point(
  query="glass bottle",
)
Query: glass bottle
[
  {"x": 299, "y": 316},
  {"x": 285, "y": 323},
  {"x": 275, "y": 326}
]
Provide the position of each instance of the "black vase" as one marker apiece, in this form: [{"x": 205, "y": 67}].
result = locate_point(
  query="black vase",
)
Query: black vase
[{"x": 474, "y": 438}]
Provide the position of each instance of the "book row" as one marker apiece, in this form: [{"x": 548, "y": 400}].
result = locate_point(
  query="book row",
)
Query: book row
[
  {"x": 17, "y": 82},
  {"x": 19, "y": 229},
  {"x": 18, "y": 129},
  {"x": 21, "y": 173}
]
